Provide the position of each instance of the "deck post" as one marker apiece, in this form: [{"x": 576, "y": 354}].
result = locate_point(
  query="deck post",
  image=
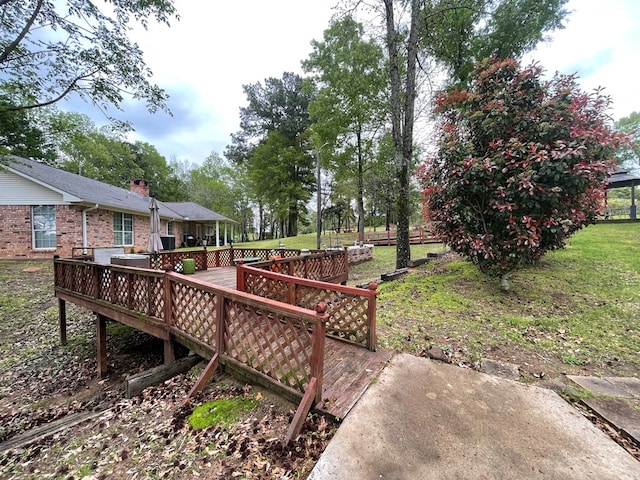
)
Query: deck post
[
  {"x": 220, "y": 326},
  {"x": 169, "y": 345},
  {"x": 240, "y": 286},
  {"x": 101, "y": 351},
  {"x": 292, "y": 293},
  {"x": 169, "y": 351},
  {"x": 62, "y": 318},
  {"x": 345, "y": 260},
  {"x": 317, "y": 349},
  {"x": 371, "y": 318}
]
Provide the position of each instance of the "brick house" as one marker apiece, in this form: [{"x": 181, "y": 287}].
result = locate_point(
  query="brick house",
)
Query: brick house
[{"x": 46, "y": 211}]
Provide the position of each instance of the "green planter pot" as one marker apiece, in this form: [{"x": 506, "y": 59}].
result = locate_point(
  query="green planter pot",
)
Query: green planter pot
[{"x": 188, "y": 266}]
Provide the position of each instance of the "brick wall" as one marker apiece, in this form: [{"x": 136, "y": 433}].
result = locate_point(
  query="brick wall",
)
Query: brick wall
[{"x": 16, "y": 235}]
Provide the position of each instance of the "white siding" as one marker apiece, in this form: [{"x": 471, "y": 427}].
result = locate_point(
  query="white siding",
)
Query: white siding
[{"x": 16, "y": 190}]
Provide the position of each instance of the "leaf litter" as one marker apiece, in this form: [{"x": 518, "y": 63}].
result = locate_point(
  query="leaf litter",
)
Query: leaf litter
[{"x": 148, "y": 436}]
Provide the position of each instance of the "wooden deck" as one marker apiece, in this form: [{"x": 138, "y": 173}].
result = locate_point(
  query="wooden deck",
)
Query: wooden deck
[
  {"x": 224, "y": 276},
  {"x": 348, "y": 369}
]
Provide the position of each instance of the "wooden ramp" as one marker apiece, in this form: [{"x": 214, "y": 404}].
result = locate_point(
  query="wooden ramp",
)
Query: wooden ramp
[
  {"x": 348, "y": 369},
  {"x": 348, "y": 372}
]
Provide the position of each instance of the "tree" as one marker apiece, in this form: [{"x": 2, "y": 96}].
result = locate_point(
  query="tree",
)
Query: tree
[
  {"x": 459, "y": 33},
  {"x": 22, "y": 135},
  {"x": 629, "y": 156},
  {"x": 49, "y": 49},
  {"x": 102, "y": 155},
  {"x": 403, "y": 97},
  {"x": 454, "y": 33},
  {"x": 350, "y": 106},
  {"x": 521, "y": 165},
  {"x": 281, "y": 172},
  {"x": 164, "y": 181},
  {"x": 274, "y": 144}
]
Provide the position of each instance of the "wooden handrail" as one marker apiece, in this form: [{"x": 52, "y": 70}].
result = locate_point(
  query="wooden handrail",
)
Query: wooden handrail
[{"x": 352, "y": 310}]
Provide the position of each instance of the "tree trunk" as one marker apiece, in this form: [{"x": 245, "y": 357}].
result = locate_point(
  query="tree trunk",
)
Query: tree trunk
[
  {"x": 402, "y": 137},
  {"x": 261, "y": 226},
  {"x": 292, "y": 227},
  {"x": 134, "y": 384},
  {"x": 360, "y": 199}
]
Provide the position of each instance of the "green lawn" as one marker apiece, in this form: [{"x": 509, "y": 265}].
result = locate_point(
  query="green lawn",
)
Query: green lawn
[{"x": 576, "y": 311}]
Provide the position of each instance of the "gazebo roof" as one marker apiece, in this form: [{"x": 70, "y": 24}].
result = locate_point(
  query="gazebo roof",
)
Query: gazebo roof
[{"x": 622, "y": 178}]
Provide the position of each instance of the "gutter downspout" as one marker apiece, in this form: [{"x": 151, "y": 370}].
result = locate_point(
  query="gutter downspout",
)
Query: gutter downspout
[{"x": 84, "y": 227}]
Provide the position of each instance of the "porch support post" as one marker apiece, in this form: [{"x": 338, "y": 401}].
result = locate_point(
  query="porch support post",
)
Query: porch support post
[
  {"x": 62, "y": 320},
  {"x": 632, "y": 210},
  {"x": 225, "y": 234},
  {"x": 217, "y": 233},
  {"x": 101, "y": 323}
]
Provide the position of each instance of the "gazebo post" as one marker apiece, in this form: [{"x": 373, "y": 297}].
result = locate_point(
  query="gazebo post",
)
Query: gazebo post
[{"x": 632, "y": 210}]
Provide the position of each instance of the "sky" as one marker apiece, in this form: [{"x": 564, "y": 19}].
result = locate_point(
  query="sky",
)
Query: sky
[{"x": 203, "y": 60}]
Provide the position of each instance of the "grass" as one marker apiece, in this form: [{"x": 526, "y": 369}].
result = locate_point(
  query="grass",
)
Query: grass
[{"x": 578, "y": 307}]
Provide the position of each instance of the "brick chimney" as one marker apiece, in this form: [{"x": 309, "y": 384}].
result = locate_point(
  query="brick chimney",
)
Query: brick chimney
[{"x": 139, "y": 186}]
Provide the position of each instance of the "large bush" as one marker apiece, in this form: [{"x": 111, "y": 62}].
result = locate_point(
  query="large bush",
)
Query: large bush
[{"x": 521, "y": 165}]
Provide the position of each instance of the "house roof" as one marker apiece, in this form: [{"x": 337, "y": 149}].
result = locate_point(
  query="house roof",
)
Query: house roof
[
  {"x": 193, "y": 211},
  {"x": 79, "y": 189}
]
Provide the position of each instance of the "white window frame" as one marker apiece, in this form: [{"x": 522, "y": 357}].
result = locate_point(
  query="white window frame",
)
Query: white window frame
[
  {"x": 48, "y": 228},
  {"x": 171, "y": 228},
  {"x": 123, "y": 232}
]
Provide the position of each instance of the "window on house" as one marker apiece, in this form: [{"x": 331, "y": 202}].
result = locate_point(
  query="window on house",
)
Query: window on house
[
  {"x": 44, "y": 226},
  {"x": 122, "y": 229},
  {"x": 170, "y": 229}
]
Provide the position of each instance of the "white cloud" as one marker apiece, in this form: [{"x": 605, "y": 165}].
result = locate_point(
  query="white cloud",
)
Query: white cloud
[
  {"x": 601, "y": 44},
  {"x": 213, "y": 50},
  {"x": 203, "y": 60}
]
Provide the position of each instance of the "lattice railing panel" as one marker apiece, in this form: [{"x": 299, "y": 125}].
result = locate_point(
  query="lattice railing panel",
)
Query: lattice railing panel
[
  {"x": 105, "y": 280},
  {"x": 219, "y": 258},
  {"x": 348, "y": 313},
  {"x": 140, "y": 294},
  {"x": 194, "y": 312},
  {"x": 314, "y": 268},
  {"x": 267, "y": 287},
  {"x": 277, "y": 346},
  {"x": 146, "y": 295},
  {"x": 156, "y": 293},
  {"x": 172, "y": 261},
  {"x": 120, "y": 286},
  {"x": 333, "y": 265},
  {"x": 79, "y": 277},
  {"x": 85, "y": 280}
]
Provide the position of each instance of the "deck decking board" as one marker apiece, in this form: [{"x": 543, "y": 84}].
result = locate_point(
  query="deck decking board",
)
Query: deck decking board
[{"x": 348, "y": 369}]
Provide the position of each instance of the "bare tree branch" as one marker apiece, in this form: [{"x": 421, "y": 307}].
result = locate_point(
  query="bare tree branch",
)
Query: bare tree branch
[{"x": 13, "y": 45}]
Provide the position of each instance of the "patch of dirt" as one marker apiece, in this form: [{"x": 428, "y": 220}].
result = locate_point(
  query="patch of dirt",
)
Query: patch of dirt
[{"x": 144, "y": 437}]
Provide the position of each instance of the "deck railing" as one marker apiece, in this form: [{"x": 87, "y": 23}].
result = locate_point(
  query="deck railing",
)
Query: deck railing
[
  {"x": 352, "y": 310},
  {"x": 278, "y": 343},
  {"x": 327, "y": 266},
  {"x": 330, "y": 266},
  {"x": 390, "y": 237}
]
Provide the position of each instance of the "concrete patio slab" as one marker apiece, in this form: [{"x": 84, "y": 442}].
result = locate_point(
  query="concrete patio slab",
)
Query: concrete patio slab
[{"x": 424, "y": 420}]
